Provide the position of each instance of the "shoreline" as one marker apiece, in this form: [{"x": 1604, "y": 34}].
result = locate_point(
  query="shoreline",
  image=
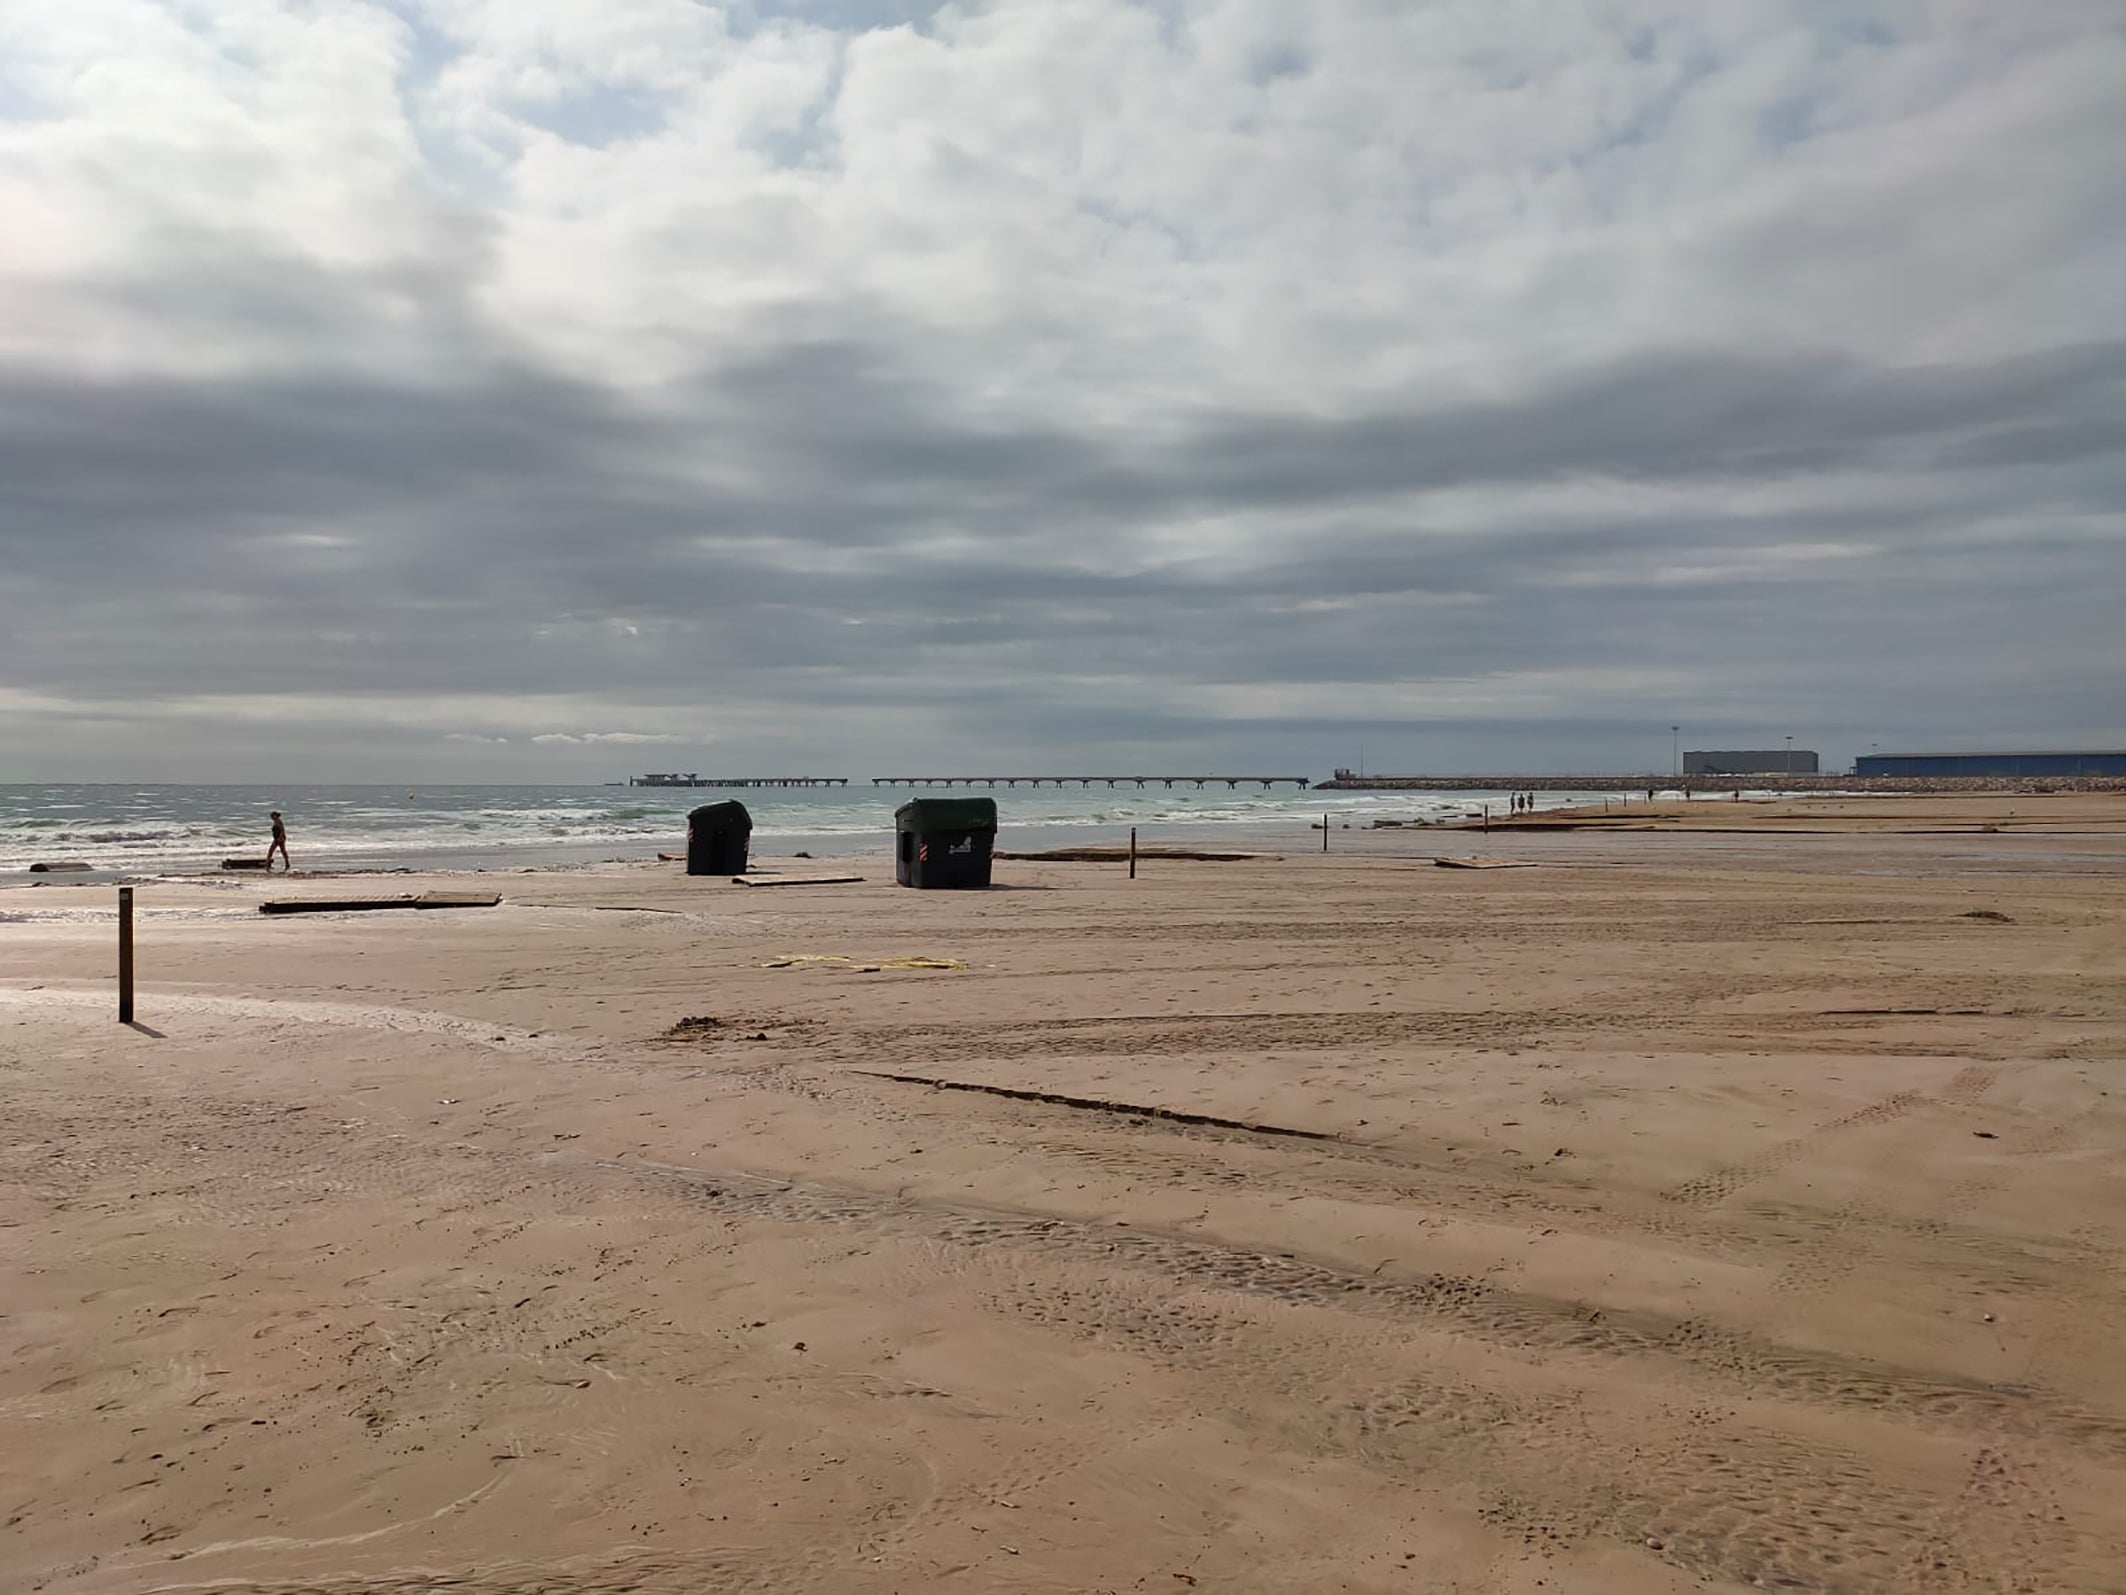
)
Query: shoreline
[
  {"x": 1763, "y": 781},
  {"x": 1945, "y": 813},
  {"x": 2058, "y": 817},
  {"x": 1839, "y": 813}
]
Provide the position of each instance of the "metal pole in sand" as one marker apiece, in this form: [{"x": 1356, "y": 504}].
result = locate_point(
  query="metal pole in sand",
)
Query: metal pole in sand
[
  {"x": 1325, "y": 833},
  {"x": 1132, "y": 852},
  {"x": 125, "y": 955}
]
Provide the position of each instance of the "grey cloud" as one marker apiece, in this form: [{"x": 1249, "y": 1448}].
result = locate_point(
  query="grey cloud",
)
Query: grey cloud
[{"x": 1679, "y": 416}]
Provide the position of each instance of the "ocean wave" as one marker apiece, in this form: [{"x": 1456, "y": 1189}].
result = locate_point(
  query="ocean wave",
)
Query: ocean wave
[{"x": 180, "y": 830}]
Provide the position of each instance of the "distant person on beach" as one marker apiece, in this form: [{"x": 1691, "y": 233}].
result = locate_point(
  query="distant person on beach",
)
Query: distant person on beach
[{"x": 279, "y": 844}]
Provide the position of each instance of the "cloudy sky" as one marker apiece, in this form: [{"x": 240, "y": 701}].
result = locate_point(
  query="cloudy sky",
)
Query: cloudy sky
[{"x": 554, "y": 389}]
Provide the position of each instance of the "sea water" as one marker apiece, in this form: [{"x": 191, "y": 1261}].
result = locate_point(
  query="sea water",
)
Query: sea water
[{"x": 162, "y": 830}]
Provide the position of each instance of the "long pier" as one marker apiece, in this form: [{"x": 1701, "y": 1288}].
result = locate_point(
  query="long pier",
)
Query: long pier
[
  {"x": 738, "y": 780},
  {"x": 1664, "y": 781},
  {"x": 1233, "y": 782}
]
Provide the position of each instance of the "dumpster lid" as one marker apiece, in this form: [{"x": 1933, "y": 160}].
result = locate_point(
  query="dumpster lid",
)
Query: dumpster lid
[
  {"x": 729, "y": 812},
  {"x": 947, "y": 814}
]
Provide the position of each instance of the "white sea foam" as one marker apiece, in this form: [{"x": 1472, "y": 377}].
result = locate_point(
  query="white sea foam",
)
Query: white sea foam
[{"x": 181, "y": 829}]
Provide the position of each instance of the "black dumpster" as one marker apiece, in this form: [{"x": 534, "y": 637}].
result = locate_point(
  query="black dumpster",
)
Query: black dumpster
[
  {"x": 717, "y": 834},
  {"x": 944, "y": 842}
]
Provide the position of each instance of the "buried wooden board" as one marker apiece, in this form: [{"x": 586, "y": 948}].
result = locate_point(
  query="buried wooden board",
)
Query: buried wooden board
[
  {"x": 1486, "y": 863},
  {"x": 1101, "y": 1105},
  {"x": 243, "y": 863},
  {"x": 61, "y": 867},
  {"x": 794, "y": 880},
  {"x": 371, "y": 905}
]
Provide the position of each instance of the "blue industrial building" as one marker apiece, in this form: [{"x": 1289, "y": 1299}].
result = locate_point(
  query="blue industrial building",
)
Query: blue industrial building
[{"x": 2036, "y": 764}]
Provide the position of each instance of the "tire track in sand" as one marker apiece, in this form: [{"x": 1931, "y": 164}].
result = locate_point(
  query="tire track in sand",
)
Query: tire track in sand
[
  {"x": 1457, "y": 1304},
  {"x": 1722, "y": 1498},
  {"x": 1717, "y": 1185}
]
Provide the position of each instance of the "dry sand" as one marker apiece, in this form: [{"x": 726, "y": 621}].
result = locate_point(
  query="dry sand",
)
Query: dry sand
[{"x": 1693, "y": 1212}]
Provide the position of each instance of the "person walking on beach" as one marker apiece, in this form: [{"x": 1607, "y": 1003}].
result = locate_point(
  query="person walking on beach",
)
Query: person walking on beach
[{"x": 279, "y": 844}]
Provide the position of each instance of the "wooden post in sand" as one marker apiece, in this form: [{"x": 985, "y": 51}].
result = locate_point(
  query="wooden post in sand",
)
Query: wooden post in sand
[
  {"x": 125, "y": 955},
  {"x": 1325, "y": 833},
  {"x": 1132, "y": 852}
]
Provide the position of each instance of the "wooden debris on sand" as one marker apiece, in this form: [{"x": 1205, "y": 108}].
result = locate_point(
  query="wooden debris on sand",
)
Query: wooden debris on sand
[
  {"x": 794, "y": 880},
  {"x": 1486, "y": 863},
  {"x": 62, "y": 866},
  {"x": 243, "y": 863},
  {"x": 369, "y": 905}
]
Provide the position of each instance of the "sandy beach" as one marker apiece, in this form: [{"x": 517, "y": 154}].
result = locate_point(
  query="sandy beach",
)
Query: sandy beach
[{"x": 1737, "y": 1208}]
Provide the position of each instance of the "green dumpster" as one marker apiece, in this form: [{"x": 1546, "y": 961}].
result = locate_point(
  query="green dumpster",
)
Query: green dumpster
[
  {"x": 944, "y": 842},
  {"x": 718, "y": 836}
]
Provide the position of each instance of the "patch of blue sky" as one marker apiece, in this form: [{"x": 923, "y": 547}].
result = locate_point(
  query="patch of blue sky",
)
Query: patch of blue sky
[
  {"x": 21, "y": 103},
  {"x": 1856, "y": 28},
  {"x": 597, "y": 117},
  {"x": 1277, "y": 63},
  {"x": 452, "y": 163},
  {"x": 745, "y": 17},
  {"x": 1121, "y": 220},
  {"x": 810, "y": 141},
  {"x": 1791, "y": 121},
  {"x": 1653, "y": 116},
  {"x": 428, "y": 48}
]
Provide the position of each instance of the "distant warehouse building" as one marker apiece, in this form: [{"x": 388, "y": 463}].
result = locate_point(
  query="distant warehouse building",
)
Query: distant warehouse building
[
  {"x": 1751, "y": 761},
  {"x": 2056, "y": 764}
]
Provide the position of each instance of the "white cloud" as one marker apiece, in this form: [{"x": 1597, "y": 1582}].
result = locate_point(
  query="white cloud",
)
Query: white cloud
[{"x": 580, "y": 738}]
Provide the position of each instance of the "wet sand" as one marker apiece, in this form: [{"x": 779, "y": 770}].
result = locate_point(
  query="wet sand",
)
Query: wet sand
[{"x": 1685, "y": 1213}]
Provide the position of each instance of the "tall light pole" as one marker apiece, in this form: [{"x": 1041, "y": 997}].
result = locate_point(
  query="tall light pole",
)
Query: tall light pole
[
  {"x": 1675, "y": 747},
  {"x": 1789, "y": 755}
]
